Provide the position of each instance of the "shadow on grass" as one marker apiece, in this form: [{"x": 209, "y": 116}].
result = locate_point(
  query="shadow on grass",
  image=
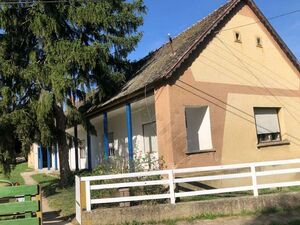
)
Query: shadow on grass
[
  {"x": 60, "y": 199},
  {"x": 49, "y": 186}
]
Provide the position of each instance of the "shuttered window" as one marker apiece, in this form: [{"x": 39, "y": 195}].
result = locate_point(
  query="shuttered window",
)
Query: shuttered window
[
  {"x": 267, "y": 124},
  {"x": 198, "y": 129},
  {"x": 150, "y": 138}
]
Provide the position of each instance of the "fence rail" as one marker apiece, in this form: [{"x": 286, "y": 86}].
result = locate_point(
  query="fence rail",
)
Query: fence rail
[
  {"x": 171, "y": 178},
  {"x": 20, "y": 205}
]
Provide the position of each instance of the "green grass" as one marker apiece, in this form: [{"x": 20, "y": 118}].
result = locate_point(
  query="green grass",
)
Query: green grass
[
  {"x": 59, "y": 198},
  {"x": 14, "y": 175}
]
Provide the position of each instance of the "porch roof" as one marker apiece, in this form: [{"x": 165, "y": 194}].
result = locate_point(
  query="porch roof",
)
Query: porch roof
[{"x": 161, "y": 64}]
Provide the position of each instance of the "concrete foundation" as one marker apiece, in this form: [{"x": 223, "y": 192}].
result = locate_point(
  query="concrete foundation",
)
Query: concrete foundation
[{"x": 182, "y": 210}]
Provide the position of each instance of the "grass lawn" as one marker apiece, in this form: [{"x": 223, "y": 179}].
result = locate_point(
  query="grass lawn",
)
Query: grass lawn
[
  {"x": 15, "y": 176},
  {"x": 59, "y": 198}
]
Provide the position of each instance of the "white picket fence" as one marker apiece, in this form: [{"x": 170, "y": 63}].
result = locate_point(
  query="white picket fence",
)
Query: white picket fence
[{"x": 171, "y": 178}]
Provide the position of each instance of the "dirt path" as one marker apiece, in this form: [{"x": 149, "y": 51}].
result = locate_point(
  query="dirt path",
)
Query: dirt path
[{"x": 50, "y": 216}]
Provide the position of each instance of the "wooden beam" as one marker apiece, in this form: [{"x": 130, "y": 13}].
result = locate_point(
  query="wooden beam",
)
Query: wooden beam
[
  {"x": 105, "y": 132},
  {"x": 26, "y": 221},
  {"x": 22, "y": 190},
  {"x": 76, "y": 147},
  {"x": 19, "y": 207},
  {"x": 129, "y": 134}
]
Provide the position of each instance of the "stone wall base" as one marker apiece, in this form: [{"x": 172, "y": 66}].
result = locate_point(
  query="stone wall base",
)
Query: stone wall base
[{"x": 160, "y": 212}]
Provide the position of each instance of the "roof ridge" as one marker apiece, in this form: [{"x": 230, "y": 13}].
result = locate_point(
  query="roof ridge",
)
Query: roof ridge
[
  {"x": 205, "y": 17},
  {"x": 188, "y": 28},
  {"x": 227, "y": 6}
]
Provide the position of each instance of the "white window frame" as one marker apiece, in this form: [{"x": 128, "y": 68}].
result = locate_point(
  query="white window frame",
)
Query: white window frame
[
  {"x": 82, "y": 149},
  {"x": 267, "y": 137},
  {"x": 208, "y": 146},
  {"x": 143, "y": 129}
]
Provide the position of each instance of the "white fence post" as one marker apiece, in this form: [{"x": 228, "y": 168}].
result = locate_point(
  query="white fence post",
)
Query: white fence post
[
  {"x": 172, "y": 186},
  {"x": 77, "y": 199},
  {"x": 88, "y": 195},
  {"x": 254, "y": 180}
]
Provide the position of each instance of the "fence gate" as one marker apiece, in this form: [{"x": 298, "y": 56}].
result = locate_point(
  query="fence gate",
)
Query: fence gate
[{"x": 20, "y": 205}]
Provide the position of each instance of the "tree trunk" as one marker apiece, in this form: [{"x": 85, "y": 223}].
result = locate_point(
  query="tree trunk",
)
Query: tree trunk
[{"x": 63, "y": 150}]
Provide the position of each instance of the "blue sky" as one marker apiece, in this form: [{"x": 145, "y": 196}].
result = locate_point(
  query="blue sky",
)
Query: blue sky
[{"x": 174, "y": 16}]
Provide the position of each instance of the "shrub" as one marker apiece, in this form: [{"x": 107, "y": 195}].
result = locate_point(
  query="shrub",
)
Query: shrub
[{"x": 118, "y": 165}]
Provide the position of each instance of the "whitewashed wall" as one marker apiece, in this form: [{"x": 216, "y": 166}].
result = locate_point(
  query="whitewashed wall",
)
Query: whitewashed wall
[
  {"x": 35, "y": 156},
  {"x": 82, "y": 136},
  {"x": 34, "y": 153}
]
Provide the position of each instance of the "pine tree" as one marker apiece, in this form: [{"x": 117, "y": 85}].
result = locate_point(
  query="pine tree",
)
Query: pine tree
[{"x": 51, "y": 55}]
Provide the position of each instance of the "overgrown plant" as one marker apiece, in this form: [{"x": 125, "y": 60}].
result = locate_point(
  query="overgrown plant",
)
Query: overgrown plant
[{"x": 118, "y": 165}]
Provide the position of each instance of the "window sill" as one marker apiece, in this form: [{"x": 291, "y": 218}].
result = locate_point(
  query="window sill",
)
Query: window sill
[
  {"x": 201, "y": 151},
  {"x": 274, "y": 143}
]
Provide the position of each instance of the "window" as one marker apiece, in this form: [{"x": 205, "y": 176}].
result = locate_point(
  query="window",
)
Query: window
[
  {"x": 111, "y": 145},
  {"x": 258, "y": 42},
  {"x": 198, "y": 129},
  {"x": 237, "y": 37},
  {"x": 82, "y": 150},
  {"x": 150, "y": 139},
  {"x": 267, "y": 124}
]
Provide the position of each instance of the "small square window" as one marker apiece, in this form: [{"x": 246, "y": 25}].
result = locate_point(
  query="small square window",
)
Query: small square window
[
  {"x": 237, "y": 37},
  {"x": 258, "y": 42},
  {"x": 267, "y": 125}
]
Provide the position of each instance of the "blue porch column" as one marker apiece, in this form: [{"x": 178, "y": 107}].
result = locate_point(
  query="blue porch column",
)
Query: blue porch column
[
  {"x": 129, "y": 133},
  {"x": 105, "y": 138},
  {"x": 76, "y": 147},
  {"x": 40, "y": 157},
  {"x": 48, "y": 158},
  {"x": 55, "y": 157},
  {"x": 89, "y": 150}
]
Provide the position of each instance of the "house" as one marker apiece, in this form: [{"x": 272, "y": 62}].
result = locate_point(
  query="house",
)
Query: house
[{"x": 226, "y": 90}]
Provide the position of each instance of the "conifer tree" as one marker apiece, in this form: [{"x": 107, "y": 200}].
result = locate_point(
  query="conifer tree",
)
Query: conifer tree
[{"x": 51, "y": 55}]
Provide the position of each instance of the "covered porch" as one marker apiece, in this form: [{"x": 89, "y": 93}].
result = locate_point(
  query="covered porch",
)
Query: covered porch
[{"x": 127, "y": 132}]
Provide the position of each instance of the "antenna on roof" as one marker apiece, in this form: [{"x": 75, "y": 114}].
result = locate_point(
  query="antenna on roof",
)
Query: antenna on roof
[
  {"x": 171, "y": 43},
  {"x": 170, "y": 38}
]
